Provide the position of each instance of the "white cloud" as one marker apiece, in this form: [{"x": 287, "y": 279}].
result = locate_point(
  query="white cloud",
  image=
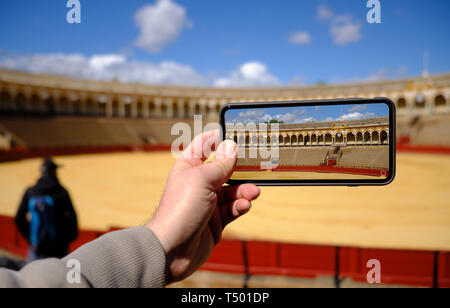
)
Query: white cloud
[
  {"x": 102, "y": 61},
  {"x": 255, "y": 116},
  {"x": 342, "y": 27},
  {"x": 252, "y": 116},
  {"x": 286, "y": 117},
  {"x": 358, "y": 108},
  {"x": 160, "y": 24},
  {"x": 300, "y": 38},
  {"x": 106, "y": 67},
  {"x": 324, "y": 13},
  {"x": 249, "y": 74},
  {"x": 344, "y": 30},
  {"x": 308, "y": 120},
  {"x": 355, "y": 116}
]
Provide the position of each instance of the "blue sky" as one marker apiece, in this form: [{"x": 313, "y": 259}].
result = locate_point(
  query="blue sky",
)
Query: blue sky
[
  {"x": 304, "y": 114},
  {"x": 226, "y": 43}
]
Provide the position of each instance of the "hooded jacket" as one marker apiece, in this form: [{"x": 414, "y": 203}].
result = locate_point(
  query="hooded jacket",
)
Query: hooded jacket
[{"x": 66, "y": 226}]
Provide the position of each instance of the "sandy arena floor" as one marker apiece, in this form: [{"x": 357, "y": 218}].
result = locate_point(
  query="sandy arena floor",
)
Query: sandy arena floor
[
  {"x": 124, "y": 189},
  {"x": 293, "y": 175}
]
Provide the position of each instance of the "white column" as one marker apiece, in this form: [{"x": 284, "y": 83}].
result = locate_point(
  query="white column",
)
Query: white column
[
  {"x": 109, "y": 109},
  {"x": 121, "y": 107},
  {"x": 203, "y": 107},
  {"x": 169, "y": 108},
  {"x": 134, "y": 109},
  {"x": 158, "y": 102},
  {"x": 180, "y": 104},
  {"x": 146, "y": 107},
  {"x": 192, "y": 103}
]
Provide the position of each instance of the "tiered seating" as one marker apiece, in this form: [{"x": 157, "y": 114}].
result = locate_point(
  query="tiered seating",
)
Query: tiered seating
[
  {"x": 73, "y": 132},
  {"x": 365, "y": 157},
  {"x": 304, "y": 156},
  {"x": 308, "y": 156}
]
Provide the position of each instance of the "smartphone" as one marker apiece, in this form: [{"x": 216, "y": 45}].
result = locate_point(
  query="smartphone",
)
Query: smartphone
[{"x": 315, "y": 142}]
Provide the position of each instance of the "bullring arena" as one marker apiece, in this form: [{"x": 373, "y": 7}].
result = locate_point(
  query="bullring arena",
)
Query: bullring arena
[
  {"x": 113, "y": 140},
  {"x": 321, "y": 150}
]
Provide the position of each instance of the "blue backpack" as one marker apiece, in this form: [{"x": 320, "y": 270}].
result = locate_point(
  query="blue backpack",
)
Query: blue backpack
[{"x": 42, "y": 224}]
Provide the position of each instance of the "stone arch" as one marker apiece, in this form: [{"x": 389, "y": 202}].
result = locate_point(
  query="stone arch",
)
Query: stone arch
[
  {"x": 339, "y": 137},
  {"x": 294, "y": 140},
  {"x": 35, "y": 103},
  {"x": 21, "y": 103},
  {"x": 115, "y": 106},
  {"x": 76, "y": 107},
  {"x": 439, "y": 101},
  {"x": 102, "y": 109},
  {"x": 274, "y": 140},
  {"x": 359, "y": 138},
  {"x": 152, "y": 109},
  {"x": 128, "y": 109},
  {"x": 91, "y": 107},
  {"x": 49, "y": 106},
  {"x": 197, "y": 109},
  {"x": 254, "y": 140},
  {"x": 384, "y": 137},
  {"x": 175, "y": 110},
  {"x": 164, "y": 110},
  {"x": 208, "y": 110},
  {"x": 241, "y": 140},
  {"x": 320, "y": 139},
  {"x": 313, "y": 139},
  {"x": 419, "y": 101},
  {"x": 366, "y": 137},
  {"x": 139, "y": 109},
  {"x": 300, "y": 139},
  {"x": 6, "y": 102},
  {"x": 351, "y": 138},
  {"x": 64, "y": 106},
  {"x": 401, "y": 103},
  {"x": 306, "y": 140},
  {"x": 247, "y": 140},
  {"x": 376, "y": 137},
  {"x": 328, "y": 139}
]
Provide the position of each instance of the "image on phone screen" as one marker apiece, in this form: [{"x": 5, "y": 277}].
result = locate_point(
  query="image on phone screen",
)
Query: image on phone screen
[{"x": 321, "y": 142}]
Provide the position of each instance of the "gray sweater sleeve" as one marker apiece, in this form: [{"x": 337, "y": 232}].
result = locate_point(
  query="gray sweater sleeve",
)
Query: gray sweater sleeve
[{"x": 131, "y": 258}]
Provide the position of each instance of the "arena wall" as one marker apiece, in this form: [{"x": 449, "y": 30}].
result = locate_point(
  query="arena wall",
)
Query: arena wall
[{"x": 250, "y": 258}]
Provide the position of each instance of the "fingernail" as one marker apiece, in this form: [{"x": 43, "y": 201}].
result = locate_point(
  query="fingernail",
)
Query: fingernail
[
  {"x": 242, "y": 212},
  {"x": 226, "y": 149}
]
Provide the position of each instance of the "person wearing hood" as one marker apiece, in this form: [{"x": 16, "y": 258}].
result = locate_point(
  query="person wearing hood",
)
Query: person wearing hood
[{"x": 46, "y": 217}]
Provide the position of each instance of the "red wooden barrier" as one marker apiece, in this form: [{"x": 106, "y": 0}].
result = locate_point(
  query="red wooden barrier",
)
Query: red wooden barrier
[
  {"x": 84, "y": 237},
  {"x": 397, "y": 266},
  {"x": 325, "y": 169},
  {"x": 401, "y": 267},
  {"x": 263, "y": 258},
  {"x": 307, "y": 260},
  {"x": 444, "y": 270},
  {"x": 226, "y": 257}
]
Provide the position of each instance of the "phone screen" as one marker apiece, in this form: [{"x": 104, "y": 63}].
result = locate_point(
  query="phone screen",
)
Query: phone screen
[{"x": 338, "y": 141}]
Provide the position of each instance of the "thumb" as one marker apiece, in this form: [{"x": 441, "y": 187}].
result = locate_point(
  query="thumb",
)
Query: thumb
[{"x": 220, "y": 169}]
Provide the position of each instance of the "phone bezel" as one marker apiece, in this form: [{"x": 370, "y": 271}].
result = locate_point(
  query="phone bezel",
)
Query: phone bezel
[{"x": 337, "y": 182}]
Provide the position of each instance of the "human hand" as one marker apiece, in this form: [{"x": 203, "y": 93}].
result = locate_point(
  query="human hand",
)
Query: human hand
[{"x": 195, "y": 207}]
